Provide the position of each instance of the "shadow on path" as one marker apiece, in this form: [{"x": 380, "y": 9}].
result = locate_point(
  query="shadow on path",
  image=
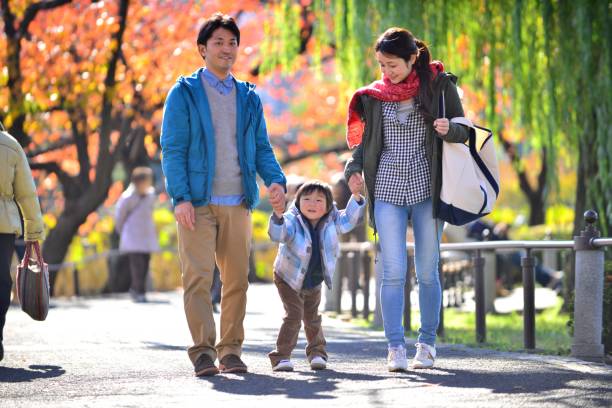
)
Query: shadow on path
[
  {"x": 162, "y": 346},
  {"x": 530, "y": 381},
  {"x": 34, "y": 372},
  {"x": 316, "y": 386}
]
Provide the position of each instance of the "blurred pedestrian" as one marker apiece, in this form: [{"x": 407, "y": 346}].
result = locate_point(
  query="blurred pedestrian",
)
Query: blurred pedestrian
[
  {"x": 214, "y": 143},
  {"x": 17, "y": 192},
  {"x": 509, "y": 262},
  {"x": 137, "y": 234}
]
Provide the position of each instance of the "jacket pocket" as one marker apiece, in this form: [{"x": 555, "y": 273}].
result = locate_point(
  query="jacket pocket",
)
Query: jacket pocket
[
  {"x": 198, "y": 184},
  {"x": 197, "y": 164}
]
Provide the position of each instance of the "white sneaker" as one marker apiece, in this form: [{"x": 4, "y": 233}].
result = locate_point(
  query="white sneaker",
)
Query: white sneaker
[
  {"x": 396, "y": 359},
  {"x": 283, "y": 365},
  {"x": 318, "y": 363},
  {"x": 425, "y": 356}
]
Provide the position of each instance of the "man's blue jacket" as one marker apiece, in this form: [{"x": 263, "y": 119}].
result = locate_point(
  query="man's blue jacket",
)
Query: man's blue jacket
[{"x": 188, "y": 143}]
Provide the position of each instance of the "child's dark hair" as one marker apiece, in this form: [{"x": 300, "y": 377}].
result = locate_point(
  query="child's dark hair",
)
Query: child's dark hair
[
  {"x": 217, "y": 20},
  {"x": 402, "y": 43},
  {"x": 315, "y": 185}
]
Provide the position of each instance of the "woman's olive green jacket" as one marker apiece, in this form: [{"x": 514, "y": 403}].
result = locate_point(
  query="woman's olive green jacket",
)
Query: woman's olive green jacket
[
  {"x": 366, "y": 156},
  {"x": 17, "y": 188}
]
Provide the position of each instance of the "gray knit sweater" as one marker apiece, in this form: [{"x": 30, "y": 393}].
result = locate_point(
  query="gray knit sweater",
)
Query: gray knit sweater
[{"x": 228, "y": 176}]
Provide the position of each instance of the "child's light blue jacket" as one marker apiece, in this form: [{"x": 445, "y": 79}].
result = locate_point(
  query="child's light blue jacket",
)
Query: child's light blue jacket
[{"x": 295, "y": 246}]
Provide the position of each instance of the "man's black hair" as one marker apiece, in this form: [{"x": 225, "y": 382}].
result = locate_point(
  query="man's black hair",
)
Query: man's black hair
[{"x": 217, "y": 20}]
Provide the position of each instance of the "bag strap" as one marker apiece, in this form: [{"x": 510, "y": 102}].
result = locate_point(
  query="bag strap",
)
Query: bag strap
[
  {"x": 481, "y": 165},
  {"x": 35, "y": 245},
  {"x": 2, "y": 128},
  {"x": 26, "y": 255},
  {"x": 132, "y": 210},
  {"x": 472, "y": 143}
]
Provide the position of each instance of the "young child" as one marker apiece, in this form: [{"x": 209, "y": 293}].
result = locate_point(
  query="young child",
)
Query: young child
[{"x": 308, "y": 236}]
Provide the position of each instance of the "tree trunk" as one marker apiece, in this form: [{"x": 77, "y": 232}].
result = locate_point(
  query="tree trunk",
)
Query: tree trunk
[
  {"x": 537, "y": 210},
  {"x": 536, "y": 196},
  {"x": 76, "y": 209},
  {"x": 58, "y": 241}
]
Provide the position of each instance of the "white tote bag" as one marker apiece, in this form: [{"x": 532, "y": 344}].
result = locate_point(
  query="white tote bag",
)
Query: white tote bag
[{"x": 470, "y": 175}]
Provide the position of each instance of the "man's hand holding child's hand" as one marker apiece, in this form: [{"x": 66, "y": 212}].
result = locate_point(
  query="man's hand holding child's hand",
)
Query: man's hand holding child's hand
[{"x": 277, "y": 199}]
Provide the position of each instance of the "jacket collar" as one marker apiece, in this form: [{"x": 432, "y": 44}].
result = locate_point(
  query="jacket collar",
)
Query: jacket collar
[{"x": 196, "y": 88}]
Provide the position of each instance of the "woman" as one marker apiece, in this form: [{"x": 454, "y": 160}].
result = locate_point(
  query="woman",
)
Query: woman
[
  {"x": 16, "y": 189},
  {"x": 397, "y": 127},
  {"x": 134, "y": 223}
]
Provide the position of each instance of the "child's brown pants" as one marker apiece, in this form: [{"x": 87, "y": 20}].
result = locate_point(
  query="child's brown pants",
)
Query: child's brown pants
[{"x": 302, "y": 306}]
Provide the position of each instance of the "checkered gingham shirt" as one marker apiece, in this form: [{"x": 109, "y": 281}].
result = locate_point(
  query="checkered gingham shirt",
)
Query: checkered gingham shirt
[{"x": 404, "y": 176}]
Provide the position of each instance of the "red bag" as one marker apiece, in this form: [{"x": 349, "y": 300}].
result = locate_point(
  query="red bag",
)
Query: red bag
[{"x": 33, "y": 283}]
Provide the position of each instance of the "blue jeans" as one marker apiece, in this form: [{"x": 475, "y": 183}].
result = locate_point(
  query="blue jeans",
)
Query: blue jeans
[{"x": 392, "y": 224}]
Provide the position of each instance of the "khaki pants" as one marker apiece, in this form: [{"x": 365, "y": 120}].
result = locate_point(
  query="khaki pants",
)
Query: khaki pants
[
  {"x": 302, "y": 306},
  {"x": 223, "y": 232}
]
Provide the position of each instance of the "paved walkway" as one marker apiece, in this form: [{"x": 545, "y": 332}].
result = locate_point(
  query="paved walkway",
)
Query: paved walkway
[{"x": 109, "y": 352}]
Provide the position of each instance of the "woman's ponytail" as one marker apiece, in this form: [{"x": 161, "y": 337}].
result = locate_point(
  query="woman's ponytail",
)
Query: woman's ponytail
[{"x": 423, "y": 70}]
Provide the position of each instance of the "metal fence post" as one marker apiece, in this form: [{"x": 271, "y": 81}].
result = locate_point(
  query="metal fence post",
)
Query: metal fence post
[
  {"x": 353, "y": 271},
  {"x": 490, "y": 272},
  {"x": 75, "y": 281},
  {"x": 378, "y": 271},
  {"x": 440, "y": 331},
  {"x": 479, "y": 287},
  {"x": 407, "y": 304},
  {"x": 342, "y": 263},
  {"x": 366, "y": 264},
  {"x": 588, "y": 294},
  {"x": 528, "y": 264}
]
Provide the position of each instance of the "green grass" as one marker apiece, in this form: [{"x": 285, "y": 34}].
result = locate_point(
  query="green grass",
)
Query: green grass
[{"x": 504, "y": 332}]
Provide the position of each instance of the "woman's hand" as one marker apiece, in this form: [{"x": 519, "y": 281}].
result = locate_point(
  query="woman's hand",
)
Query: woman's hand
[
  {"x": 441, "y": 126},
  {"x": 356, "y": 185}
]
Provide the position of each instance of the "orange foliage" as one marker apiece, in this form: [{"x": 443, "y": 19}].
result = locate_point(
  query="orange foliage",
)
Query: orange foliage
[{"x": 64, "y": 64}]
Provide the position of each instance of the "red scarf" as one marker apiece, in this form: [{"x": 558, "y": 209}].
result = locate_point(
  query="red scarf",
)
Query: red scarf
[{"x": 386, "y": 91}]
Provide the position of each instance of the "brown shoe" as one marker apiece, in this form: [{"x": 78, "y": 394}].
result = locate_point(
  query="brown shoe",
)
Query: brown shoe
[
  {"x": 232, "y": 364},
  {"x": 205, "y": 366}
]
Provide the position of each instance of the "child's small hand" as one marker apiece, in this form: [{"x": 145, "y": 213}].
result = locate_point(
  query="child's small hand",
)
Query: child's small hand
[
  {"x": 356, "y": 184},
  {"x": 278, "y": 208},
  {"x": 279, "y": 212}
]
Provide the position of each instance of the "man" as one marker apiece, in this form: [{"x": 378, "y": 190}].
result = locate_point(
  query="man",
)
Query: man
[{"x": 214, "y": 142}]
